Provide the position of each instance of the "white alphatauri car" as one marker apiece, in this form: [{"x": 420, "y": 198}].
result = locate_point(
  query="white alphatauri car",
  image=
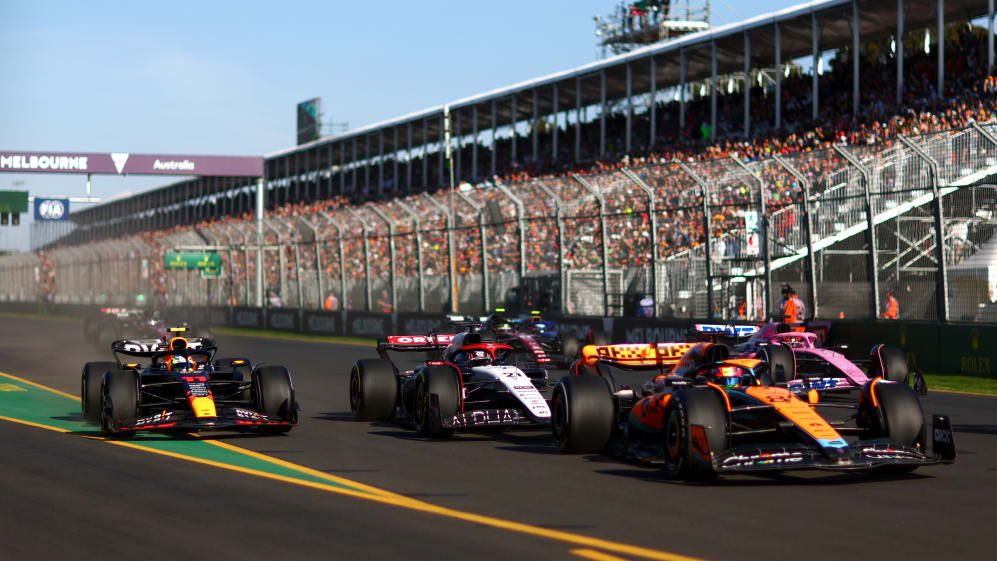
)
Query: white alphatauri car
[{"x": 469, "y": 384}]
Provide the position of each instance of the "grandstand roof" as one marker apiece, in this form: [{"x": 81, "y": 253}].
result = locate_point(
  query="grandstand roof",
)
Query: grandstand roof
[{"x": 878, "y": 19}]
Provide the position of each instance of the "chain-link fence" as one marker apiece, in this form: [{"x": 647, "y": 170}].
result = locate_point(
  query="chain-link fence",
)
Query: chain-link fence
[{"x": 902, "y": 229}]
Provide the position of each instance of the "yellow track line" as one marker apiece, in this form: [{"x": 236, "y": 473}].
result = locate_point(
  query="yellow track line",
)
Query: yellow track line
[
  {"x": 596, "y": 555},
  {"x": 393, "y": 499},
  {"x": 39, "y": 386}
]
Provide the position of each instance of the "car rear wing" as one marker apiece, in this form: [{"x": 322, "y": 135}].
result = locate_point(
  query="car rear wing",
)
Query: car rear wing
[
  {"x": 726, "y": 330},
  {"x": 147, "y": 348},
  {"x": 636, "y": 356},
  {"x": 413, "y": 343}
]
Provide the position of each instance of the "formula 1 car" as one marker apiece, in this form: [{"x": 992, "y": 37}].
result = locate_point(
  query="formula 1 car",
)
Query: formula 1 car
[
  {"x": 704, "y": 414},
  {"x": 181, "y": 387},
  {"x": 468, "y": 385},
  {"x": 106, "y": 325},
  {"x": 824, "y": 369},
  {"x": 539, "y": 337}
]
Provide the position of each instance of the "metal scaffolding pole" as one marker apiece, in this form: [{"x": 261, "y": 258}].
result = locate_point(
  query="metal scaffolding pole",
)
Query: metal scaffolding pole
[
  {"x": 535, "y": 130},
  {"x": 767, "y": 242},
  {"x": 899, "y": 40},
  {"x": 474, "y": 143},
  {"x": 578, "y": 118},
  {"x": 682, "y": 88},
  {"x": 747, "y": 84},
  {"x": 494, "y": 138},
  {"x": 990, "y": 37},
  {"x": 260, "y": 188},
  {"x": 602, "y": 113},
  {"x": 513, "y": 117},
  {"x": 553, "y": 132},
  {"x": 408, "y": 158},
  {"x": 560, "y": 238}
]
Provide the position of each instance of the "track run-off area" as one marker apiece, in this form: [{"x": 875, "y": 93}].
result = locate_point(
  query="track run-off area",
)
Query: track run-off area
[{"x": 337, "y": 489}]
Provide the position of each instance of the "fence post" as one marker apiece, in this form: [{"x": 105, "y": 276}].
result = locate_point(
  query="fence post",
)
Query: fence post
[
  {"x": 418, "y": 250},
  {"x": 391, "y": 253},
  {"x": 522, "y": 228},
  {"x": 366, "y": 255},
  {"x": 764, "y": 217},
  {"x": 602, "y": 228},
  {"x": 870, "y": 227},
  {"x": 807, "y": 231},
  {"x": 708, "y": 228},
  {"x": 560, "y": 240},
  {"x": 452, "y": 248},
  {"x": 941, "y": 283},
  {"x": 654, "y": 232}
]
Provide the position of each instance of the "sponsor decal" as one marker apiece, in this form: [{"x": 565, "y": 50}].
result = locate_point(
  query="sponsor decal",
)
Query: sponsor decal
[
  {"x": 975, "y": 364},
  {"x": 198, "y": 389},
  {"x": 51, "y": 209},
  {"x": 419, "y": 340},
  {"x": 818, "y": 383},
  {"x": 155, "y": 419},
  {"x": 171, "y": 165},
  {"x": 764, "y": 458},
  {"x": 321, "y": 324},
  {"x": 367, "y": 326},
  {"x": 53, "y": 162},
  {"x": 488, "y": 417},
  {"x": 943, "y": 436},
  {"x": 281, "y": 320},
  {"x": 732, "y": 330},
  {"x": 247, "y": 414},
  {"x": 247, "y": 318}
]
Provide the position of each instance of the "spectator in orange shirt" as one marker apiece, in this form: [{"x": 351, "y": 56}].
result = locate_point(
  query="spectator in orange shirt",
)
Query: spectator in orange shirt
[{"x": 892, "y": 310}]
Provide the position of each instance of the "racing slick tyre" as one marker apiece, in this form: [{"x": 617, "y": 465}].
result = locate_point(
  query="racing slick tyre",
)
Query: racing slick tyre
[
  {"x": 597, "y": 338},
  {"x": 93, "y": 375},
  {"x": 694, "y": 432},
  {"x": 582, "y": 414},
  {"x": 442, "y": 382},
  {"x": 889, "y": 363},
  {"x": 373, "y": 389},
  {"x": 241, "y": 373},
  {"x": 120, "y": 394},
  {"x": 780, "y": 365},
  {"x": 274, "y": 395},
  {"x": 569, "y": 347},
  {"x": 892, "y": 410}
]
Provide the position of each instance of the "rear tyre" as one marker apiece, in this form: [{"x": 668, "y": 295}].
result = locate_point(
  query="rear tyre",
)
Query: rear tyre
[
  {"x": 274, "y": 395},
  {"x": 373, "y": 390},
  {"x": 889, "y": 363},
  {"x": 582, "y": 414},
  {"x": 694, "y": 432},
  {"x": 120, "y": 394},
  {"x": 598, "y": 338},
  {"x": 569, "y": 348},
  {"x": 441, "y": 381},
  {"x": 93, "y": 376},
  {"x": 780, "y": 365}
]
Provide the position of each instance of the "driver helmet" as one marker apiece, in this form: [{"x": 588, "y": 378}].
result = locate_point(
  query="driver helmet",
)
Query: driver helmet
[
  {"x": 476, "y": 357},
  {"x": 725, "y": 376},
  {"x": 180, "y": 363}
]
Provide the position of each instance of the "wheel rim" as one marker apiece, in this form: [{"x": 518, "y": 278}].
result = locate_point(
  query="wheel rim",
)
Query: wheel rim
[
  {"x": 672, "y": 436},
  {"x": 354, "y": 392},
  {"x": 559, "y": 415}
]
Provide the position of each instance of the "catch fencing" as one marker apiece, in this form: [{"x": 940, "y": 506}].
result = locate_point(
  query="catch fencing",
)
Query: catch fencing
[{"x": 850, "y": 228}]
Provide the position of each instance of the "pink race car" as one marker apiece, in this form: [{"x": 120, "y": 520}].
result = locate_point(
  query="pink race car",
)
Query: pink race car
[{"x": 810, "y": 366}]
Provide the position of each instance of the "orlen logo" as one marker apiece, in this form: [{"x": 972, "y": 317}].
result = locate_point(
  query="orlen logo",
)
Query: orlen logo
[
  {"x": 51, "y": 209},
  {"x": 419, "y": 340}
]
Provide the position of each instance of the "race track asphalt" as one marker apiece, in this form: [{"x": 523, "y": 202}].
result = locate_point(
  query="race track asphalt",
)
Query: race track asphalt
[{"x": 67, "y": 496}]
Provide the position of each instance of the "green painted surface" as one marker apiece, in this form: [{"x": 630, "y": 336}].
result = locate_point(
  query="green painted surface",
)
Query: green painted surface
[
  {"x": 29, "y": 403},
  {"x": 209, "y": 261}
]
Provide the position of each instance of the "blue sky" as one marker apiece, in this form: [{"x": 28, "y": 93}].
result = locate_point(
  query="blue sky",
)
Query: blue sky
[{"x": 224, "y": 77}]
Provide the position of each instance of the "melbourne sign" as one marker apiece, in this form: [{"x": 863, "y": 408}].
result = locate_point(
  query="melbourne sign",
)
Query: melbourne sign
[
  {"x": 124, "y": 163},
  {"x": 206, "y": 261}
]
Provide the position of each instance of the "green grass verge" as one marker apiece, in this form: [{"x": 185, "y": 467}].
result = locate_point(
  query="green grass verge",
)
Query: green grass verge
[
  {"x": 273, "y": 334},
  {"x": 972, "y": 383}
]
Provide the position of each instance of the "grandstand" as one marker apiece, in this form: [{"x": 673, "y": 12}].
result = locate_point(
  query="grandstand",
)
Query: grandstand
[{"x": 705, "y": 171}]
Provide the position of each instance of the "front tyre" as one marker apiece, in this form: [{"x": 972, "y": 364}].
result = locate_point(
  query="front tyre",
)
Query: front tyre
[
  {"x": 120, "y": 393},
  {"x": 442, "y": 382},
  {"x": 582, "y": 414},
  {"x": 373, "y": 390},
  {"x": 694, "y": 433},
  {"x": 273, "y": 395},
  {"x": 90, "y": 397}
]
